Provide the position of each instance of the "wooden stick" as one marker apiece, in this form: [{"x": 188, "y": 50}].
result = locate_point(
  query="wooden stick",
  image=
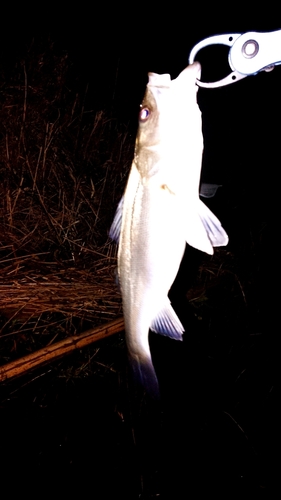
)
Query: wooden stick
[{"x": 59, "y": 349}]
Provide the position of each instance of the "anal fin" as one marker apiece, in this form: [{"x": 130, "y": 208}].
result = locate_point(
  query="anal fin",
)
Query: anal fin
[{"x": 167, "y": 323}]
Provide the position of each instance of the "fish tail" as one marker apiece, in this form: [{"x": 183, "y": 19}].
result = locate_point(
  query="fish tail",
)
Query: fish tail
[{"x": 145, "y": 376}]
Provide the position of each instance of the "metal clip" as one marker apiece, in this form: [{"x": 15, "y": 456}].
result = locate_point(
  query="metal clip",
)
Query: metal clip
[{"x": 249, "y": 54}]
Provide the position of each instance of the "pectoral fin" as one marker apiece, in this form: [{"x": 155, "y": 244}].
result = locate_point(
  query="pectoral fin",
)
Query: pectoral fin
[
  {"x": 208, "y": 190},
  {"x": 115, "y": 229}
]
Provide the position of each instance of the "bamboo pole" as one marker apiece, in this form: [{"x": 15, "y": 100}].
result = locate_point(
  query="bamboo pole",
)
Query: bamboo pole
[{"x": 59, "y": 349}]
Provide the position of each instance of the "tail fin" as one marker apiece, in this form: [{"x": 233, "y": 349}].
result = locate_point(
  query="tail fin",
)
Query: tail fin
[{"x": 145, "y": 376}]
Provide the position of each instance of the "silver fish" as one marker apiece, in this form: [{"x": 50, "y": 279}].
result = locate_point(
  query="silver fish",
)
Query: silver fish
[{"x": 160, "y": 212}]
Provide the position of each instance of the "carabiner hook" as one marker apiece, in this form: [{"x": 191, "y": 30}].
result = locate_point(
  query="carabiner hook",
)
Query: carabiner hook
[
  {"x": 228, "y": 40},
  {"x": 249, "y": 54}
]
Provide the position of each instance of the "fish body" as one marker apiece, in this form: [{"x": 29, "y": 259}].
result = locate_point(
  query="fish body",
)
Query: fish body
[{"x": 160, "y": 212}]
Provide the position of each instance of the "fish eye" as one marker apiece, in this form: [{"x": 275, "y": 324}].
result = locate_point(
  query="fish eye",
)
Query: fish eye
[{"x": 144, "y": 114}]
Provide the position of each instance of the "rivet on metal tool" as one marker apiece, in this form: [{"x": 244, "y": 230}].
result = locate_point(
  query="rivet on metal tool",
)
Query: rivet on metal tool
[{"x": 250, "y": 49}]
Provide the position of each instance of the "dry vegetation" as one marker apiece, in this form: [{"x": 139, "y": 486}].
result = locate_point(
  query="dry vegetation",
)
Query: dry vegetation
[{"x": 60, "y": 182}]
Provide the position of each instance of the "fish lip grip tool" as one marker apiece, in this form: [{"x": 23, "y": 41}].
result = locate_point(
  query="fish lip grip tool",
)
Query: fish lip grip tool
[{"x": 249, "y": 54}]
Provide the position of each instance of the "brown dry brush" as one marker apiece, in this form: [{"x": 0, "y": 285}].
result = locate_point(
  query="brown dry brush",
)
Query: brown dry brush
[{"x": 60, "y": 178}]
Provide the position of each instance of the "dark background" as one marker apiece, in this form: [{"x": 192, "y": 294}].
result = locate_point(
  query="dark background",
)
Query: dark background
[{"x": 216, "y": 428}]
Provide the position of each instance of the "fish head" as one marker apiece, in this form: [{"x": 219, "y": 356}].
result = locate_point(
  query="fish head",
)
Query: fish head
[
  {"x": 151, "y": 123},
  {"x": 170, "y": 129}
]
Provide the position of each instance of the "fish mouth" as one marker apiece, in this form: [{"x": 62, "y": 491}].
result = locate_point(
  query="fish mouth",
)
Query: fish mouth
[
  {"x": 189, "y": 75},
  {"x": 196, "y": 68}
]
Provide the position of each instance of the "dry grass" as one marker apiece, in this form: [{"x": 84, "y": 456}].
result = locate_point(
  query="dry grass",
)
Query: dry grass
[{"x": 60, "y": 183}]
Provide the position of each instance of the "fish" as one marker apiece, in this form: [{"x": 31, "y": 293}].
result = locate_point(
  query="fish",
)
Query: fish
[{"x": 159, "y": 213}]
